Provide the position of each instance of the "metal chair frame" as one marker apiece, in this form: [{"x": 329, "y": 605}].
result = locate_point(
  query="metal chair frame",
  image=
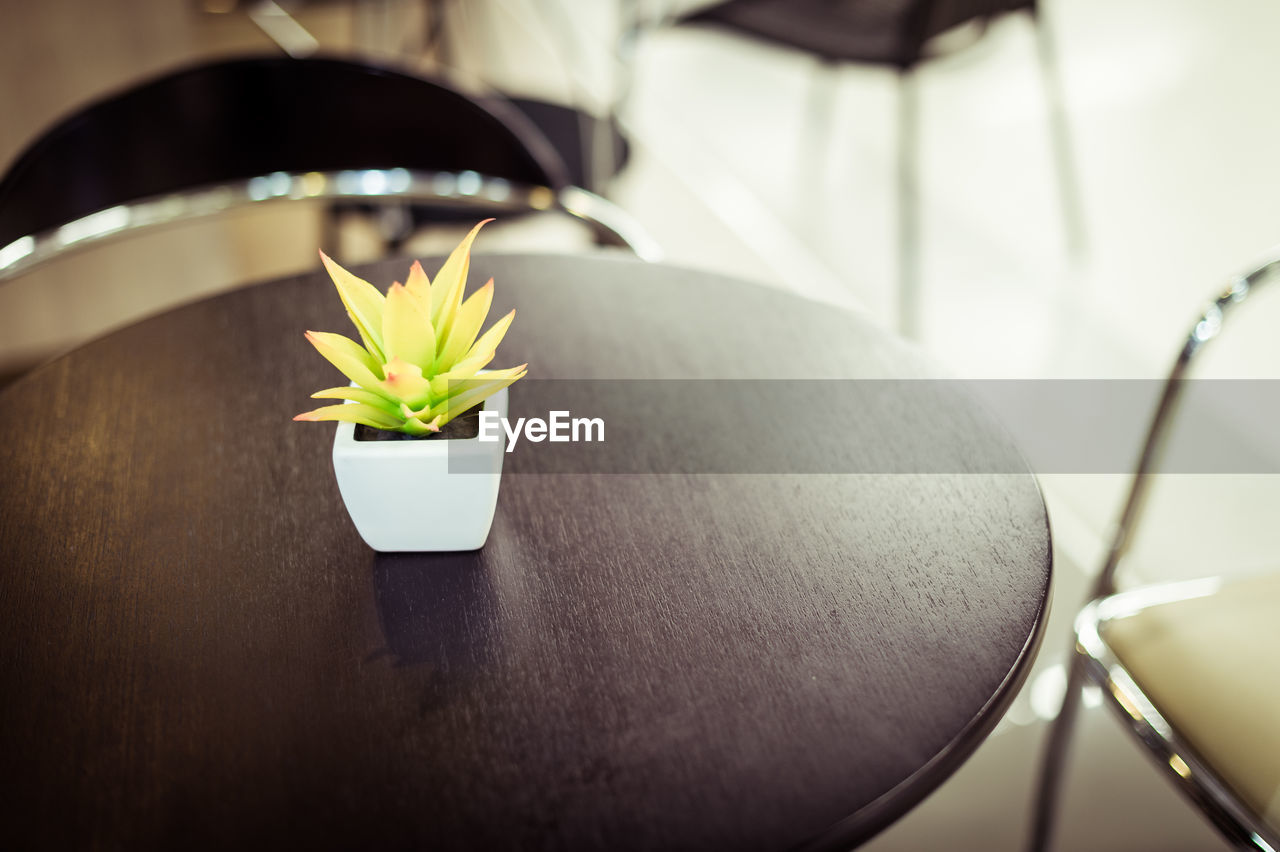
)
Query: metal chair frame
[
  {"x": 93, "y": 196},
  {"x": 462, "y": 190},
  {"x": 1093, "y": 660}
]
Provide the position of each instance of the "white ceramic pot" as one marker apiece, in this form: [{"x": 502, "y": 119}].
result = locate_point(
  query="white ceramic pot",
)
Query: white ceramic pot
[{"x": 421, "y": 495}]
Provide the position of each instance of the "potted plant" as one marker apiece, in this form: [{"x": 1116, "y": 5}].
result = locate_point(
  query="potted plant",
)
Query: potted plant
[{"x": 401, "y": 427}]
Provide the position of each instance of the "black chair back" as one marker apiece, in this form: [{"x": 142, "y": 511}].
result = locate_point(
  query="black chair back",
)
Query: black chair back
[{"x": 241, "y": 118}]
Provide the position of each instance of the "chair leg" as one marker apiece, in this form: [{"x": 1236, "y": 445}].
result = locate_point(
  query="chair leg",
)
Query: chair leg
[
  {"x": 908, "y": 212},
  {"x": 604, "y": 161},
  {"x": 1052, "y": 766},
  {"x": 814, "y": 143},
  {"x": 1068, "y": 185}
]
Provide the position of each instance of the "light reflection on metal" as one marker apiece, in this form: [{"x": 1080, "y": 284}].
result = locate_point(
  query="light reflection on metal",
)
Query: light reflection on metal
[
  {"x": 1210, "y": 325},
  {"x": 278, "y": 184},
  {"x": 1239, "y": 289},
  {"x": 313, "y": 184},
  {"x": 94, "y": 225},
  {"x": 1125, "y": 701},
  {"x": 158, "y": 211},
  {"x": 611, "y": 225},
  {"x": 1116, "y": 681},
  {"x": 259, "y": 189},
  {"x": 399, "y": 180},
  {"x": 469, "y": 183},
  {"x": 16, "y": 251},
  {"x": 373, "y": 182},
  {"x": 218, "y": 198},
  {"x": 444, "y": 183},
  {"x": 348, "y": 182},
  {"x": 592, "y": 208},
  {"x": 1135, "y": 600},
  {"x": 498, "y": 190}
]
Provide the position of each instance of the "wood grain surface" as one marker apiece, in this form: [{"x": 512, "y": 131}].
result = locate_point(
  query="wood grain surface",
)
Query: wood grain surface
[{"x": 197, "y": 649}]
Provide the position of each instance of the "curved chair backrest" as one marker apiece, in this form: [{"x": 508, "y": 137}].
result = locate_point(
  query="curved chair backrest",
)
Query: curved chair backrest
[
  {"x": 239, "y": 118},
  {"x": 1206, "y": 328}
]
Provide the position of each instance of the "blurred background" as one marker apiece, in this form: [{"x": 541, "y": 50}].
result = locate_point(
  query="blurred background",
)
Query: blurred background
[{"x": 1067, "y": 225}]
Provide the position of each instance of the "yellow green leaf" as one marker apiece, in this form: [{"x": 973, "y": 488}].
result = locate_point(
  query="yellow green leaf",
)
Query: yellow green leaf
[
  {"x": 405, "y": 383},
  {"x": 348, "y": 356},
  {"x": 419, "y": 364},
  {"x": 489, "y": 341},
  {"x": 452, "y": 407},
  {"x": 416, "y": 426},
  {"x": 463, "y": 370},
  {"x": 361, "y": 395},
  {"x": 466, "y": 325},
  {"x": 457, "y": 386},
  {"x": 406, "y": 330},
  {"x": 450, "y": 281},
  {"x": 363, "y": 303},
  {"x": 419, "y": 285},
  {"x": 356, "y": 413}
]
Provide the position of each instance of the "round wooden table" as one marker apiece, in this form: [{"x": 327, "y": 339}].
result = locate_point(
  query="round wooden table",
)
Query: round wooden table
[{"x": 199, "y": 651}]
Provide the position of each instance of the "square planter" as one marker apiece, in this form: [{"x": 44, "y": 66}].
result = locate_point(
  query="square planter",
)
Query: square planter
[{"x": 421, "y": 495}]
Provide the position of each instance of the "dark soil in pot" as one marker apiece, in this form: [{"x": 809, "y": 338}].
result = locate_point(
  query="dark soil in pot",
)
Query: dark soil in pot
[{"x": 459, "y": 428}]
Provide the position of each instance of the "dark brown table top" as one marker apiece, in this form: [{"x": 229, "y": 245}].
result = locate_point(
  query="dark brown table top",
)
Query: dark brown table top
[{"x": 197, "y": 649}]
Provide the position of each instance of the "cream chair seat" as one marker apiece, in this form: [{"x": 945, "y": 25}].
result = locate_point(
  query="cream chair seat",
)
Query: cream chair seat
[{"x": 1207, "y": 653}]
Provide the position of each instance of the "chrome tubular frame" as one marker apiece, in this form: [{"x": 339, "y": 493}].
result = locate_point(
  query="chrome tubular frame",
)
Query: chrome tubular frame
[
  {"x": 1189, "y": 771},
  {"x": 1094, "y": 661},
  {"x": 1205, "y": 329},
  {"x": 609, "y": 223}
]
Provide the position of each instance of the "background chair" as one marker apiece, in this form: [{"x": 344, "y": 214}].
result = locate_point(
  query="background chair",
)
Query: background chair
[
  {"x": 593, "y": 149},
  {"x": 201, "y": 140},
  {"x": 896, "y": 33},
  {"x": 1191, "y": 667}
]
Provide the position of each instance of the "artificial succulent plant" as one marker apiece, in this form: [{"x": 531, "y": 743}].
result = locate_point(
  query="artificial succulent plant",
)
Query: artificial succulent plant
[{"x": 420, "y": 363}]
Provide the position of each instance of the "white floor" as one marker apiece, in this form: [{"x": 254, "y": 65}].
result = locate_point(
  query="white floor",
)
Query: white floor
[{"x": 1170, "y": 105}]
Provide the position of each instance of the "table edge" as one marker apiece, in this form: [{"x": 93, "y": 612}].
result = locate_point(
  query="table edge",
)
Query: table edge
[{"x": 896, "y": 802}]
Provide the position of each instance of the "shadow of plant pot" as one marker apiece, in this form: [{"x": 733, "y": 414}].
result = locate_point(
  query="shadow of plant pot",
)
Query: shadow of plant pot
[{"x": 436, "y": 608}]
